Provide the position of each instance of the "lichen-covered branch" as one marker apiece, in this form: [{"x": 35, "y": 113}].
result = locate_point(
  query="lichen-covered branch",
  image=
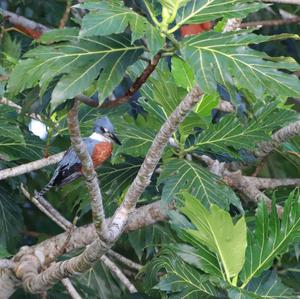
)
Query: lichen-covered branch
[
  {"x": 151, "y": 160},
  {"x": 29, "y": 259},
  {"x": 281, "y": 136},
  {"x": 88, "y": 171},
  {"x": 29, "y": 265},
  {"x": 70, "y": 288}
]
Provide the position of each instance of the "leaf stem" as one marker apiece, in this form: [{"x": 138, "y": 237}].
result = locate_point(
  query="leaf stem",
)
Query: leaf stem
[{"x": 153, "y": 17}]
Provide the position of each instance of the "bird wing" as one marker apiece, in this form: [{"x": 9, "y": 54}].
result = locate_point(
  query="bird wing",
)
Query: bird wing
[{"x": 69, "y": 168}]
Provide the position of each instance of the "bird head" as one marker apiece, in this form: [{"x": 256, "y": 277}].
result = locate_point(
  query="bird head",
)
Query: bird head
[{"x": 104, "y": 127}]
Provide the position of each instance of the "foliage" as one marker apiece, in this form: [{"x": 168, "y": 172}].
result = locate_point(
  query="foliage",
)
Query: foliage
[
  {"x": 215, "y": 245},
  {"x": 218, "y": 248}
]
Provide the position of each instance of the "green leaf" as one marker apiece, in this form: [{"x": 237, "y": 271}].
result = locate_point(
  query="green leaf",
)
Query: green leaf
[
  {"x": 136, "y": 138},
  {"x": 99, "y": 282},
  {"x": 182, "y": 73},
  {"x": 107, "y": 17},
  {"x": 227, "y": 59},
  {"x": 173, "y": 4},
  {"x": 197, "y": 255},
  {"x": 11, "y": 220},
  {"x": 216, "y": 230},
  {"x": 230, "y": 133},
  {"x": 207, "y": 103},
  {"x": 58, "y": 35},
  {"x": 196, "y": 12},
  {"x": 80, "y": 61},
  {"x": 181, "y": 279},
  {"x": 178, "y": 175},
  {"x": 268, "y": 285},
  {"x": 271, "y": 237}
]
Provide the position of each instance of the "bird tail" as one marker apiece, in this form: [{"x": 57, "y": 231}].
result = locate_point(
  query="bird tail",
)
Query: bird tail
[
  {"x": 46, "y": 188},
  {"x": 51, "y": 183}
]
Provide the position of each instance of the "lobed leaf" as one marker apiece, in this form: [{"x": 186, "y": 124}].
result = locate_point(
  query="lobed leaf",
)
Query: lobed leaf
[
  {"x": 226, "y": 58},
  {"x": 108, "y": 17},
  {"x": 271, "y": 237},
  {"x": 79, "y": 61},
  {"x": 178, "y": 175},
  {"x": 214, "y": 228}
]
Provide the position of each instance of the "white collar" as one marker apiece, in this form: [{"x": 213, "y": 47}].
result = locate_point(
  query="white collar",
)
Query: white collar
[{"x": 100, "y": 137}]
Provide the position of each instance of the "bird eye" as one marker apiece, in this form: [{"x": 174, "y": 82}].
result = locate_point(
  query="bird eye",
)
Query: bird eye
[{"x": 102, "y": 129}]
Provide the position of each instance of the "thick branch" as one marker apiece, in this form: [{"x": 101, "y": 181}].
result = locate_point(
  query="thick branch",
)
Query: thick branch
[
  {"x": 281, "y": 136},
  {"x": 151, "y": 160},
  {"x": 29, "y": 265},
  {"x": 30, "y": 259}
]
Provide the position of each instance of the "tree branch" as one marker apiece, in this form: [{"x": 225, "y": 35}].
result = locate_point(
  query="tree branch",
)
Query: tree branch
[
  {"x": 44, "y": 206},
  {"x": 151, "y": 160},
  {"x": 66, "y": 14},
  {"x": 127, "y": 262},
  {"x": 34, "y": 29},
  {"x": 281, "y": 136},
  {"x": 115, "y": 269},
  {"x": 31, "y": 166},
  {"x": 28, "y": 268},
  {"x": 88, "y": 171},
  {"x": 267, "y": 183},
  {"x": 266, "y": 23},
  {"x": 7, "y": 102},
  {"x": 70, "y": 288},
  {"x": 130, "y": 92},
  {"x": 31, "y": 258},
  {"x": 297, "y": 2}
]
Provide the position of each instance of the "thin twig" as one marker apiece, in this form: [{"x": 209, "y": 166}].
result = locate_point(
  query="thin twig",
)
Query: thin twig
[
  {"x": 66, "y": 14},
  {"x": 129, "y": 93},
  {"x": 270, "y": 23},
  {"x": 115, "y": 269},
  {"x": 7, "y": 102},
  {"x": 129, "y": 263},
  {"x": 47, "y": 209},
  {"x": 33, "y": 29},
  {"x": 70, "y": 288},
  {"x": 297, "y": 2}
]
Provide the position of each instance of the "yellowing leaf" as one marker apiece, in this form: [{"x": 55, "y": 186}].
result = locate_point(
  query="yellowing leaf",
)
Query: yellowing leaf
[{"x": 216, "y": 230}]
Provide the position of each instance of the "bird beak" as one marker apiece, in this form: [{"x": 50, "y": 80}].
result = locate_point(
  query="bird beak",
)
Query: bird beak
[{"x": 115, "y": 138}]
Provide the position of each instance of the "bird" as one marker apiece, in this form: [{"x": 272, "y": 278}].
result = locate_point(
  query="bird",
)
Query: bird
[{"x": 99, "y": 146}]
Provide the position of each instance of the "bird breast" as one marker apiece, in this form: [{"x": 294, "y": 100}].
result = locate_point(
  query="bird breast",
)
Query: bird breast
[{"x": 102, "y": 151}]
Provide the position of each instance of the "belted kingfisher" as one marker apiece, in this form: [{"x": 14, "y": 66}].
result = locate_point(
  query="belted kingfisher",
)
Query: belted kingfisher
[{"x": 99, "y": 146}]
